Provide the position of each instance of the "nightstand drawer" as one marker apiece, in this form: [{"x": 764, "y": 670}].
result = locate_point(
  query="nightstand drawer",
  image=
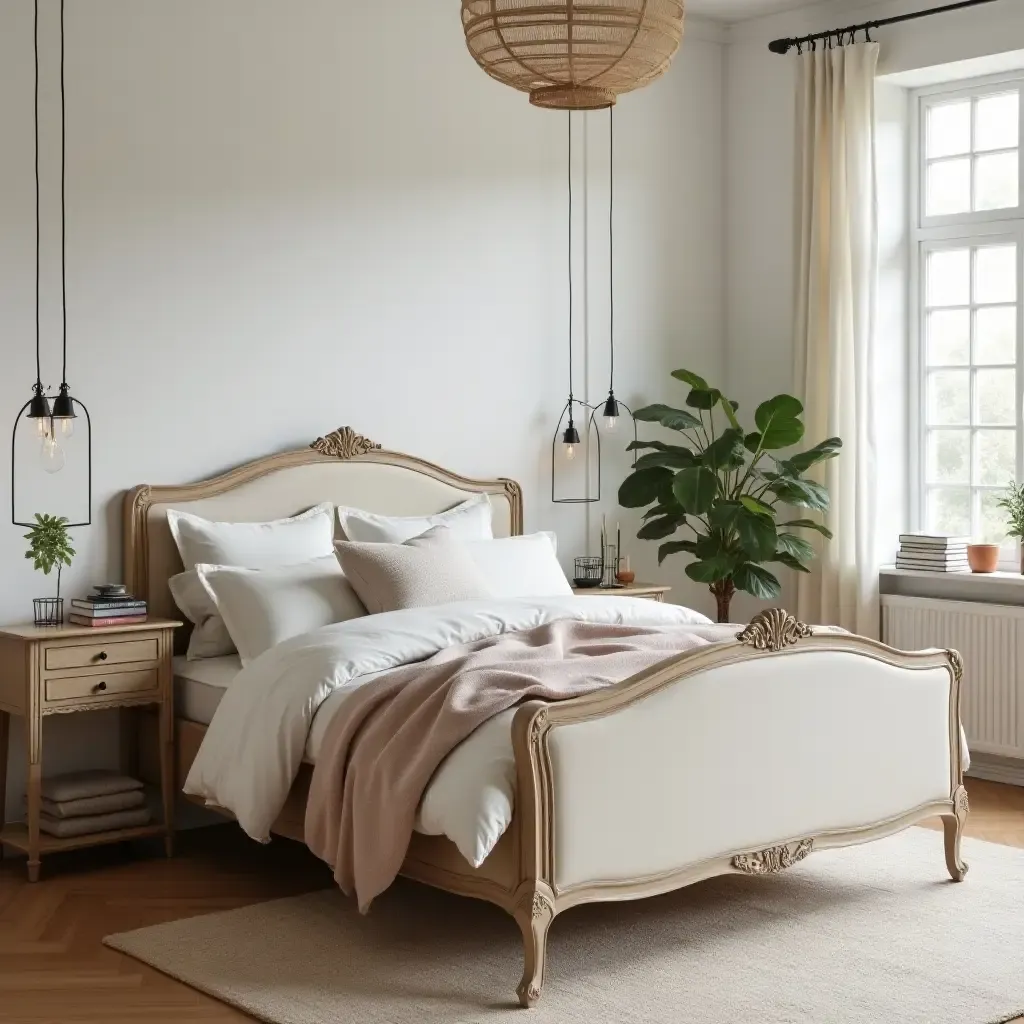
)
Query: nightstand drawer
[
  {"x": 110, "y": 684},
  {"x": 98, "y": 655}
]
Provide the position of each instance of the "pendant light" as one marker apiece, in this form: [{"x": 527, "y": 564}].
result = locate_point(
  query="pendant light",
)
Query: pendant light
[
  {"x": 612, "y": 409},
  {"x": 52, "y": 423},
  {"x": 573, "y": 54},
  {"x": 569, "y": 439}
]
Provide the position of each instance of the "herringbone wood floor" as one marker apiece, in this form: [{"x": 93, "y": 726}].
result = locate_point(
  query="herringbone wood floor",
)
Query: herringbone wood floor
[{"x": 54, "y": 969}]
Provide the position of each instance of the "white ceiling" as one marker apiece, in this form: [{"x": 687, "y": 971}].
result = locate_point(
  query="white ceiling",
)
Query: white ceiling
[{"x": 737, "y": 10}]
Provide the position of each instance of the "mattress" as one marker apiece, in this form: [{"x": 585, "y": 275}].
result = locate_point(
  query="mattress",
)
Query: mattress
[{"x": 199, "y": 685}]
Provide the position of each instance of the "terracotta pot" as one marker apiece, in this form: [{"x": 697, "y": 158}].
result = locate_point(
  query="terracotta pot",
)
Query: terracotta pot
[{"x": 983, "y": 557}]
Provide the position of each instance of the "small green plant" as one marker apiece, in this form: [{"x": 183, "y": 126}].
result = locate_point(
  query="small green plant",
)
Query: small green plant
[
  {"x": 727, "y": 487},
  {"x": 1013, "y": 506},
  {"x": 50, "y": 545}
]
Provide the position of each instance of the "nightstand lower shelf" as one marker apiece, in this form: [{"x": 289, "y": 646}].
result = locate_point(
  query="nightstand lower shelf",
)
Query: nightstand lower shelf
[{"x": 16, "y": 836}]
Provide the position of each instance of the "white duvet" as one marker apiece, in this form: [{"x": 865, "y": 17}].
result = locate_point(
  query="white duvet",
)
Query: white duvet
[{"x": 268, "y": 718}]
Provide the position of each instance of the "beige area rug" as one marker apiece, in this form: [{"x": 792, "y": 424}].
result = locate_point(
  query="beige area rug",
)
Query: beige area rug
[{"x": 875, "y": 934}]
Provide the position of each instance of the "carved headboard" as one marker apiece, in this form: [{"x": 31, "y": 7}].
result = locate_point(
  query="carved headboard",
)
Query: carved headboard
[{"x": 344, "y": 468}]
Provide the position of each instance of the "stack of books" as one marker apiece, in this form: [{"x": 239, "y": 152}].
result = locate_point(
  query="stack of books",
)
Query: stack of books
[
  {"x": 932, "y": 552},
  {"x": 108, "y": 607}
]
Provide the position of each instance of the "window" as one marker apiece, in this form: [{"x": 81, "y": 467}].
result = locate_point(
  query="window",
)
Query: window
[{"x": 969, "y": 234}]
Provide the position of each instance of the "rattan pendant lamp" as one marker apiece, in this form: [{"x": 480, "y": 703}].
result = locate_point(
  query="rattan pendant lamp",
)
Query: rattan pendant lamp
[{"x": 573, "y": 54}]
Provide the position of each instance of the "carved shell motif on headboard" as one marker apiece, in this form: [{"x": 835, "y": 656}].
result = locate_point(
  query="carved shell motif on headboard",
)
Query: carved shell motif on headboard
[{"x": 344, "y": 443}]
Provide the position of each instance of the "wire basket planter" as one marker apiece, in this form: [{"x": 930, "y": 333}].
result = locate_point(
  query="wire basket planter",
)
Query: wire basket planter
[
  {"x": 589, "y": 570},
  {"x": 48, "y": 611}
]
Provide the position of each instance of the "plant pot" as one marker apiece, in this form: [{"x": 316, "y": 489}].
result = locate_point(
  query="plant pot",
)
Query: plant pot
[
  {"x": 983, "y": 557},
  {"x": 48, "y": 611}
]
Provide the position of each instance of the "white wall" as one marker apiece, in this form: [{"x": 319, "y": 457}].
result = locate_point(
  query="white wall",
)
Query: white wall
[
  {"x": 287, "y": 216},
  {"x": 760, "y": 169}
]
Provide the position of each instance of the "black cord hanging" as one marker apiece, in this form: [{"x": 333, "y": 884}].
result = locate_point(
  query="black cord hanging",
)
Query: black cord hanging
[
  {"x": 570, "y": 437},
  {"x": 60, "y": 417}
]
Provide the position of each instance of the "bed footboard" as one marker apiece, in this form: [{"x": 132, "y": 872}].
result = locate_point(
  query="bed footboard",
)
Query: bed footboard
[{"x": 743, "y": 757}]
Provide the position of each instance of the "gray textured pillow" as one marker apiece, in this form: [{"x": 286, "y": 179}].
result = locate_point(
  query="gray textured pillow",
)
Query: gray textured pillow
[{"x": 433, "y": 568}]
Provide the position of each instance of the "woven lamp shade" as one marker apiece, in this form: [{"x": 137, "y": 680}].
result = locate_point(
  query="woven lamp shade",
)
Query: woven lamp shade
[{"x": 573, "y": 54}]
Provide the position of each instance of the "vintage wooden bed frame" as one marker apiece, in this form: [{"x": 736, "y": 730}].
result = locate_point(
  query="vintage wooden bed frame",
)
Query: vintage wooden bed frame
[{"x": 625, "y": 793}]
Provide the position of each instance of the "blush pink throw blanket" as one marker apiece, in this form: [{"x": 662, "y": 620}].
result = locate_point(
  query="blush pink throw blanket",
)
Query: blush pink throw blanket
[{"x": 379, "y": 754}]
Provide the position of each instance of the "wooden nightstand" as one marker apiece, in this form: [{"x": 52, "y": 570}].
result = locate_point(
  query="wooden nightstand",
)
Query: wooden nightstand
[
  {"x": 56, "y": 670},
  {"x": 651, "y": 591}
]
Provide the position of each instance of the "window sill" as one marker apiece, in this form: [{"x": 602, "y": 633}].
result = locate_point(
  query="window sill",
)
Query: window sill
[{"x": 989, "y": 587}]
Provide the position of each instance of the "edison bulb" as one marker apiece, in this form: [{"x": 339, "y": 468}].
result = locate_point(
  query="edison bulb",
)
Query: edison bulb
[
  {"x": 43, "y": 426},
  {"x": 52, "y": 456},
  {"x": 67, "y": 426},
  {"x": 610, "y": 422},
  {"x": 570, "y": 451}
]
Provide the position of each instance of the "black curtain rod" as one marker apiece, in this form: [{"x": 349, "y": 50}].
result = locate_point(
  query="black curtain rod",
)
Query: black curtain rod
[{"x": 848, "y": 34}]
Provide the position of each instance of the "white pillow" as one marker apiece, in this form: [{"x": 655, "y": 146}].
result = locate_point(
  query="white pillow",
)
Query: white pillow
[
  {"x": 470, "y": 520},
  {"x": 210, "y": 637},
  {"x": 253, "y": 545},
  {"x": 520, "y": 566},
  {"x": 264, "y": 607},
  {"x": 433, "y": 568}
]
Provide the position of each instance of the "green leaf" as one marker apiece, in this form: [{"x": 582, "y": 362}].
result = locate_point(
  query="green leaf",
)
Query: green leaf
[
  {"x": 657, "y": 529},
  {"x": 695, "y": 489},
  {"x": 726, "y": 452},
  {"x": 730, "y": 408},
  {"x": 710, "y": 570},
  {"x": 757, "y": 535},
  {"x": 795, "y": 546},
  {"x": 673, "y": 547},
  {"x": 752, "y": 504},
  {"x": 779, "y": 422},
  {"x": 634, "y": 446},
  {"x": 800, "y": 463},
  {"x": 752, "y": 442},
  {"x": 691, "y": 378},
  {"x": 790, "y": 561},
  {"x": 756, "y": 580},
  {"x": 671, "y": 458},
  {"x": 723, "y": 514},
  {"x": 809, "y": 524},
  {"x": 671, "y": 508},
  {"x": 803, "y": 493},
  {"x": 643, "y": 486},
  {"x": 701, "y": 398},
  {"x": 674, "y": 419}
]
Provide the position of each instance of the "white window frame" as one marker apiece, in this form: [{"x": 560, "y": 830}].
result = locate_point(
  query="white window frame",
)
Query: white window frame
[{"x": 966, "y": 230}]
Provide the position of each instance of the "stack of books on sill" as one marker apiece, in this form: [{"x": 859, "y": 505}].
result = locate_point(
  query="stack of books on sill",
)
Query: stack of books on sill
[
  {"x": 932, "y": 553},
  {"x": 107, "y": 610}
]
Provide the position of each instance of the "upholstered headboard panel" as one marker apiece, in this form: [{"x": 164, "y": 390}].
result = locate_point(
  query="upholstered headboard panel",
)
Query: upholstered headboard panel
[{"x": 379, "y": 481}]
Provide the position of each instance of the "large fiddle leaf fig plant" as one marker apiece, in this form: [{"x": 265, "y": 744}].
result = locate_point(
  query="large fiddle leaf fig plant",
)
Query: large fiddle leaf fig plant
[{"x": 727, "y": 489}]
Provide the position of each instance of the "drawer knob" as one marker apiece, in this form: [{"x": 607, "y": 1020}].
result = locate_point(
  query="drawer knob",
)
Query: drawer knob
[
  {"x": 99, "y": 687},
  {"x": 102, "y": 655}
]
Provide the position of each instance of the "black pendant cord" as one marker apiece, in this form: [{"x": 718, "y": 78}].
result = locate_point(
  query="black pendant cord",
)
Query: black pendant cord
[
  {"x": 35, "y": 41},
  {"x": 569, "y": 178},
  {"x": 63, "y": 233},
  {"x": 611, "y": 247},
  {"x": 842, "y": 36}
]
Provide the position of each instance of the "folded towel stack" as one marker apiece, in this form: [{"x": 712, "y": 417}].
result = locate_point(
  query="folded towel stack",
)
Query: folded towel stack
[{"x": 81, "y": 803}]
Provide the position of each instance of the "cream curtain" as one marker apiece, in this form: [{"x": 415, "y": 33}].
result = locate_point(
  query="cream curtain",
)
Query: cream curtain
[{"x": 834, "y": 345}]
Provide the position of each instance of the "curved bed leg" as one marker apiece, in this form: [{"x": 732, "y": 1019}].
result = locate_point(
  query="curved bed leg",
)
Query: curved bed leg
[
  {"x": 953, "y": 827},
  {"x": 535, "y": 911}
]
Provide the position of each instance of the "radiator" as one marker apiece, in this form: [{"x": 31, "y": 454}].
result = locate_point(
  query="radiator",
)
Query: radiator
[{"x": 990, "y": 637}]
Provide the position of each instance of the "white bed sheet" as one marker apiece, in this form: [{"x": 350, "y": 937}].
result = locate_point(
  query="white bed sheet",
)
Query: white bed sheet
[{"x": 199, "y": 685}]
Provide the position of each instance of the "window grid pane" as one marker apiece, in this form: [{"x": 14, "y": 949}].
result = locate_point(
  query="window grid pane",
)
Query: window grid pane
[
  {"x": 969, "y": 344},
  {"x": 970, "y": 152}
]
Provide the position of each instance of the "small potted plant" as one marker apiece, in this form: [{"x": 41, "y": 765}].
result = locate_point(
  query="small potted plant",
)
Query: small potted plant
[
  {"x": 49, "y": 546},
  {"x": 1013, "y": 505}
]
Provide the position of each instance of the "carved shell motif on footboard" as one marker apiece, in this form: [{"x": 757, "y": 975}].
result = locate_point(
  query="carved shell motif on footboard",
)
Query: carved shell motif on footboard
[{"x": 774, "y": 630}]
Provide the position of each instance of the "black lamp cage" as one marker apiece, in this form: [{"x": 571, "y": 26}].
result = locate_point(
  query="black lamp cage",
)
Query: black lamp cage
[{"x": 38, "y": 407}]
